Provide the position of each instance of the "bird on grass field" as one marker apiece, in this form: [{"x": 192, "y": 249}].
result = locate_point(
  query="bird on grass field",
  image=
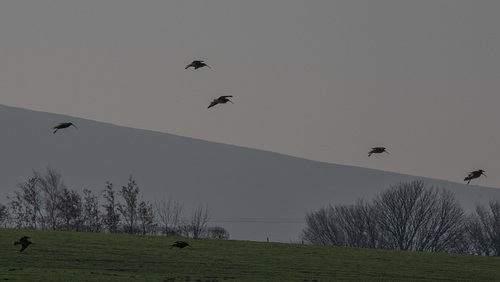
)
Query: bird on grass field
[
  {"x": 197, "y": 64},
  {"x": 180, "y": 245},
  {"x": 474, "y": 174},
  {"x": 24, "y": 242},
  {"x": 220, "y": 100},
  {"x": 63, "y": 125},
  {"x": 377, "y": 150}
]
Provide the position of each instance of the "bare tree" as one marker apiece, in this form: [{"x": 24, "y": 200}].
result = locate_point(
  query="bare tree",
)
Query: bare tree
[
  {"x": 52, "y": 187},
  {"x": 147, "y": 218},
  {"x": 169, "y": 213},
  {"x": 70, "y": 210},
  {"x": 322, "y": 228},
  {"x": 408, "y": 216},
  {"x": 484, "y": 229},
  {"x": 217, "y": 232},
  {"x": 92, "y": 221},
  {"x": 16, "y": 211},
  {"x": 129, "y": 210},
  {"x": 30, "y": 197},
  {"x": 111, "y": 217},
  {"x": 401, "y": 213},
  {"x": 478, "y": 241},
  {"x": 443, "y": 231},
  {"x": 351, "y": 225},
  {"x": 196, "y": 224},
  {"x": 413, "y": 217},
  {"x": 4, "y": 215}
]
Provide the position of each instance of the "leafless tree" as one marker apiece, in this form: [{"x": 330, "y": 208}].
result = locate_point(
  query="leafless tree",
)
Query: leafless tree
[
  {"x": 197, "y": 222},
  {"x": 70, "y": 209},
  {"x": 129, "y": 210},
  {"x": 169, "y": 213},
  {"x": 484, "y": 229},
  {"x": 444, "y": 230},
  {"x": 408, "y": 216},
  {"x": 111, "y": 217},
  {"x": 413, "y": 217},
  {"x": 321, "y": 228},
  {"x": 52, "y": 187},
  {"x": 350, "y": 225},
  {"x": 4, "y": 215},
  {"x": 147, "y": 220},
  {"x": 216, "y": 232},
  {"x": 92, "y": 220},
  {"x": 30, "y": 197},
  {"x": 17, "y": 213}
]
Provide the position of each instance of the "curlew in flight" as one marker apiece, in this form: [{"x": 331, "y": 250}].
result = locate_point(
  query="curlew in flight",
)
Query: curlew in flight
[
  {"x": 377, "y": 150},
  {"x": 220, "y": 100},
  {"x": 63, "y": 125},
  {"x": 180, "y": 244},
  {"x": 23, "y": 241},
  {"x": 197, "y": 64},
  {"x": 474, "y": 174}
]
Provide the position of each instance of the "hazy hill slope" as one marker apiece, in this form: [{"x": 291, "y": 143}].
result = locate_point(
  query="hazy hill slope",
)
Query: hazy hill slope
[{"x": 254, "y": 194}]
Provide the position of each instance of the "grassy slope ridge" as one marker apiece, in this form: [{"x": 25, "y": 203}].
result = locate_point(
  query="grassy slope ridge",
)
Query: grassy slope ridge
[{"x": 73, "y": 256}]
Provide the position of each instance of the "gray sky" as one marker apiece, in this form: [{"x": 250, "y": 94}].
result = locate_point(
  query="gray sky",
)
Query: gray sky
[{"x": 323, "y": 80}]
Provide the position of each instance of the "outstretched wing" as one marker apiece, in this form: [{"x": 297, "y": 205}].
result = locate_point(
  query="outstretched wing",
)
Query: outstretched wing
[{"x": 213, "y": 103}]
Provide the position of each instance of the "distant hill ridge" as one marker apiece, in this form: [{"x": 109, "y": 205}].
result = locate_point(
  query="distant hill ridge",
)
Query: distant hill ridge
[{"x": 255, "y": 194}]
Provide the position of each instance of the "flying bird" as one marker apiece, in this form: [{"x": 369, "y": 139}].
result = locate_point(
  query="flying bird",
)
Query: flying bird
[
  {"x": 63, "y": 125},
  {"x": 23, "y": 241},
  {"x": 179, "y": 244},
  {"x": 220, "y": 100},
  {"x": 377, "y": 150},
  {"x": 197, "y": 64},
  {"x": 474, "y": 174}
]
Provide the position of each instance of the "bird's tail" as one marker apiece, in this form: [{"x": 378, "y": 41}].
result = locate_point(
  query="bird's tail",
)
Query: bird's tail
[{"x": 16, "y": 243}]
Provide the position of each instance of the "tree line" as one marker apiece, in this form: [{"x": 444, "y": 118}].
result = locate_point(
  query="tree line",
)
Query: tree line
[
  {"x": 45, "y": 202},
  {"x": 408, "y": 216}
]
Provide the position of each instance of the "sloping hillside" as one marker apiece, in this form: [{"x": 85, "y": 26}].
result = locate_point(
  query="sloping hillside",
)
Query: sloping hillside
[
  {"x": 254, "y": 194},
  {"x": 72, "y": 256}
]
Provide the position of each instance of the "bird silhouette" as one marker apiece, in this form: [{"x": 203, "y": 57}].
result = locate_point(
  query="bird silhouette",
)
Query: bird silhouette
[
  {"x": 63, "y": 125},
  {"x": 23, "y": 241},
  {"x": 220, "y": 100},
  {"x": 377, "y": 150},
  {"x": 474, "y": 174},
  {"x": 180, "y": 244},
  {"x": 197, "y": 64}
]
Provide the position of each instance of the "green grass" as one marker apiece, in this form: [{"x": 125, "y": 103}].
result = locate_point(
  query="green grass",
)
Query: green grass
[{"x": 72, "y": 256}]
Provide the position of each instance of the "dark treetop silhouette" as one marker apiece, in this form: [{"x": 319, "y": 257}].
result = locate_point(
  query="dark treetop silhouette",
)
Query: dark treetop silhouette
[
  {"x": 377, "y": 150},
  {"x": 23, "y": 241},
  {"x": 220, "y": 100},
  {"x": 197, "y": 64},
  {"x": 63, "y": 125},
  {"x": 474, "y": 174},
  {"x": 179, "y": 244}
]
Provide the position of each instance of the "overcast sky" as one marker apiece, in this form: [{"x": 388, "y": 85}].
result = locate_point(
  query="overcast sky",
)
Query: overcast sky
[{"x": 323, "y": 80}]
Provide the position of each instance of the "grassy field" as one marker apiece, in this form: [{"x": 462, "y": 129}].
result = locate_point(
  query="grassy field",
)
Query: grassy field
[{"x": 71, "y": 256}]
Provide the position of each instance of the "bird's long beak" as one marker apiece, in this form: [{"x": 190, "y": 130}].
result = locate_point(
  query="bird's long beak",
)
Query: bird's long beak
[
  {"x": 75, "y": 126},
  {"x": 230, "y": 101}
]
